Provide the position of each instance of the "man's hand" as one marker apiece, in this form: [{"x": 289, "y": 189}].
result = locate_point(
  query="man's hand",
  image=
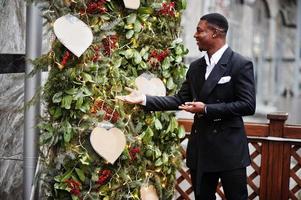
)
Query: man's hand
[
  {"x": 193, "y": 107},
  {"x": 135, "y": 97}
]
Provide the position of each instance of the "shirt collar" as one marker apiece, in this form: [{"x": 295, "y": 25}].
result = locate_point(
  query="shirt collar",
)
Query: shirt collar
[{"x": 216, "y": 56}]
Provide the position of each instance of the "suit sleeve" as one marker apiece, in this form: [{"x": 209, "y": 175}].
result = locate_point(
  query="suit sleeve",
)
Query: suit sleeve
[
  {"x": 244, "y": 101},
  {"x": 159, "y": 103}
]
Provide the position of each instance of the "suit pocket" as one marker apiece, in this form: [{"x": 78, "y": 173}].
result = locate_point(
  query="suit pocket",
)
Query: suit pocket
[
  {"x": 224, "y": 91},
  {"x": 232, "y": 140},
  {"x": 237, "y": 123},
  {"x": 224, "y": 80}
]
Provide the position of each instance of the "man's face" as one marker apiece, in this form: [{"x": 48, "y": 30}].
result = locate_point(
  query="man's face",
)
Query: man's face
[{"x": 204, "y": 36}]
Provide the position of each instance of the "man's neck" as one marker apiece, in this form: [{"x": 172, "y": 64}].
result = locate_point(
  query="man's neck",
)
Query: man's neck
[{"x": 215, "y": 48}]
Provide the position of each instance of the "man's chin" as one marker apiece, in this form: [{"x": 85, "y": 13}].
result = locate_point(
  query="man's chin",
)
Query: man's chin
[{"x": 200, "y": 46}]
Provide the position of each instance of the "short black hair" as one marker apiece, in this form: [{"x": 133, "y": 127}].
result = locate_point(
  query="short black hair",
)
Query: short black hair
[{"x": 218, "y": 20}]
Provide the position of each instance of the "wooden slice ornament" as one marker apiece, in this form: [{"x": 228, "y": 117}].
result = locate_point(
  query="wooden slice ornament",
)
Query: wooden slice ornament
[
  {"x": 148, "y": 192},
  {"x": 148, "y": 84},
  {"x": 132, "y": 4},
  {"x": 108, "y": 141},
  {"x": 73, "y": 33}
]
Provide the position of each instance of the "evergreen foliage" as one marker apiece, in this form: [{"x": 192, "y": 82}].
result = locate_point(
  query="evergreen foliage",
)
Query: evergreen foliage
[{"x": 80, "y": 93}]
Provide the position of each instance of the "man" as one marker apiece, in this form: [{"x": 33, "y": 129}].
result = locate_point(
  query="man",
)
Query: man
[{"x": 219, "y": 89}]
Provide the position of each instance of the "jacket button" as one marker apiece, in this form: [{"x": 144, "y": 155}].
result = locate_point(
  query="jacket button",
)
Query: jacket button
[{"x": 214, "y": 131}]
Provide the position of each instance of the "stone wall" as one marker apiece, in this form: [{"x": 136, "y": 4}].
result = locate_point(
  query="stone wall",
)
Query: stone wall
[
  {"x": 12, "y": 45},
  {"x": 12, "y": 23},
  {"x": 11, "y": 135}
]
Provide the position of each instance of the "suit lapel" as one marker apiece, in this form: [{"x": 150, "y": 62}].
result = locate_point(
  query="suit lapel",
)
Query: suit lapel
[
  {"x": 199, "y": 77},
  {"x": 217, "y": 72}
]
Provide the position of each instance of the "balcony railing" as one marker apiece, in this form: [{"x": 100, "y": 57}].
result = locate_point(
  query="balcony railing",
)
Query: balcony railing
[{"x": 274, "y": 173}]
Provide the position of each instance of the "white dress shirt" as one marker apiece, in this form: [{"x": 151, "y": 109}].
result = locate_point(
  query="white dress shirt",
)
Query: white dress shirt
[{"x": 214, "y": 59}]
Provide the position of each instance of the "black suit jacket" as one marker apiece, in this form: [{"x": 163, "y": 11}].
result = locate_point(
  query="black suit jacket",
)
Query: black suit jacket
[{"x": 218, "y": 141}]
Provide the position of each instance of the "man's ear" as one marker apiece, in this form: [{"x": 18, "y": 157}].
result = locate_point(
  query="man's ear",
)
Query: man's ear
[{"x": 214, "y": 34}]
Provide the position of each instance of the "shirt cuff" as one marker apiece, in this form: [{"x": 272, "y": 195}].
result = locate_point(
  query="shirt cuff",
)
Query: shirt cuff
[
  {"x": 144, "y": 100},
  {"x": 205, "y": 110}
]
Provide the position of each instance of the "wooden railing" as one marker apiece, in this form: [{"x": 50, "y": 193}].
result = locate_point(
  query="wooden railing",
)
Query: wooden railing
[{"x": 274, "y": 173}]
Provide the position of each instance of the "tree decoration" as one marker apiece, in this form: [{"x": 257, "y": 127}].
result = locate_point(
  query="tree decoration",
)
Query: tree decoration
[
  {"x": 104, "y": 176},
  {"x": 100, "y": 108},
  {"x": 156, "y": 58},
  {"x": 96, "y": 7},
  {"x": 109, "y": 44},
  {"x": 80, "y": 94},
  {"x": 96, "y": 57},
  {"x": 134, "y": 151},
  {"x": 168, "y": 9},
  {"x": 74, "y": 187},
  {"x": 65, "y": 59}
]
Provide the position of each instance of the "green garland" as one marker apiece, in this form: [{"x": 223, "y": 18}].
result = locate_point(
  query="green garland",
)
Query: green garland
[{"x": 80, "y": 92}]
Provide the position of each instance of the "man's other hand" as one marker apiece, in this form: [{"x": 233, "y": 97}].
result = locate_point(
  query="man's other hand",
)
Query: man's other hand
[
  {"x": 193, "y": 107},
  {"x": 135, "y": 97}
]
